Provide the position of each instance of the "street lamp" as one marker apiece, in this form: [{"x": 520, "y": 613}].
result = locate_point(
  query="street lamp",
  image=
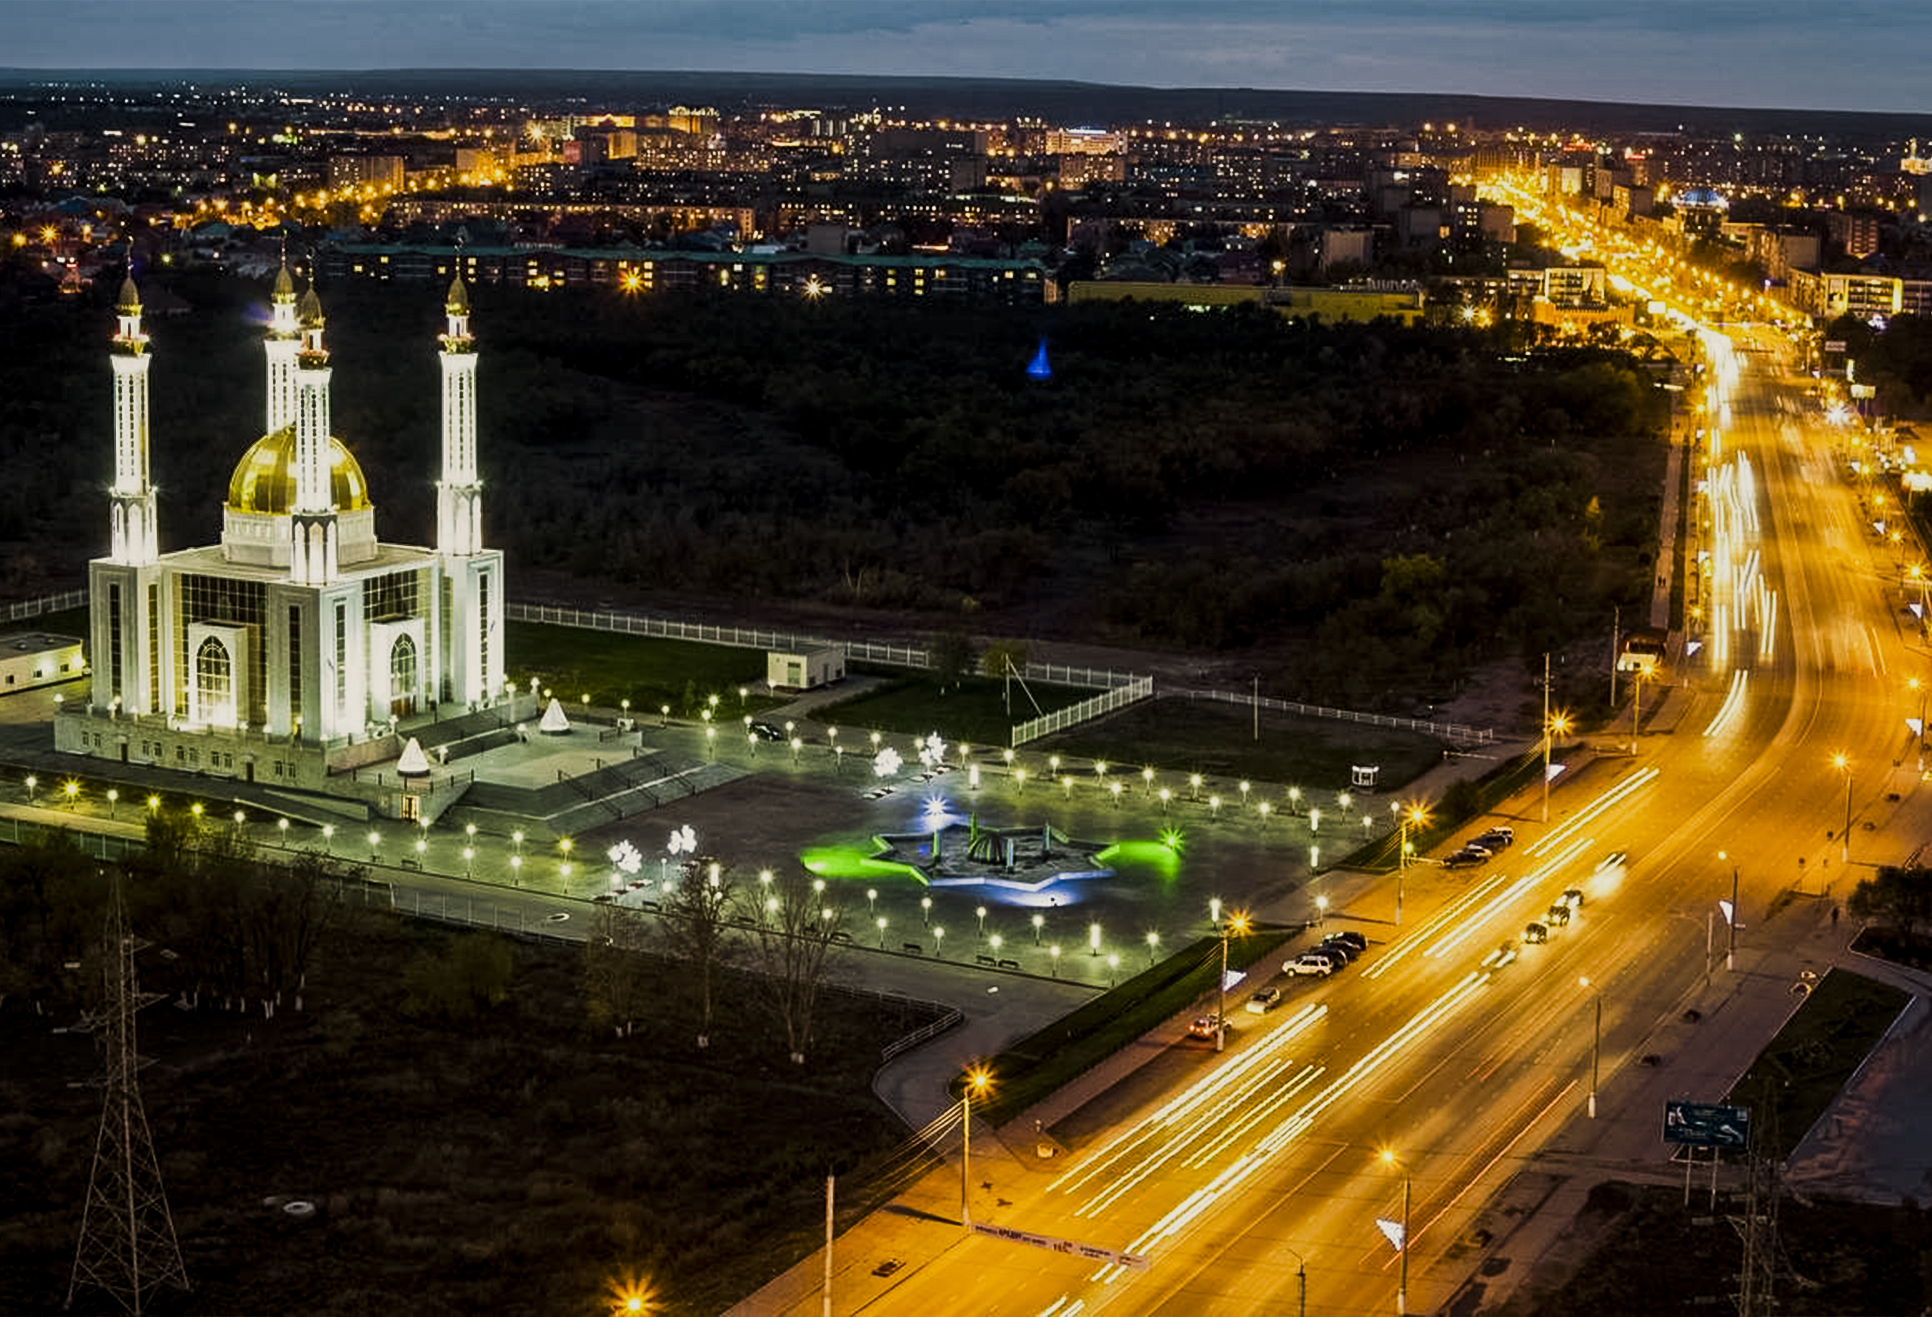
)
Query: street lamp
[
  {"x": 375, "y": 839},
  {"x": 1596, "y": 1041},
  {"x": 32, "y": 782},
  {"x": 112, "y": 796},
  {"x": 1235, "y": 925},
  {"x": 1153, "y": 946},
  {"x": 981, "y": 912},
  {"x": 1918, "y": 732},
  {"x": 925, "y": 911},
  {"x": 1039, "y": 922},
  {"x": 1843, "y": 765},
  {"x": 1556, "y": 724},
  {"x": 978, "y": 1078},
  {"x": 1402, "y": 1286},
  {"x": 1730, "y": 915}
]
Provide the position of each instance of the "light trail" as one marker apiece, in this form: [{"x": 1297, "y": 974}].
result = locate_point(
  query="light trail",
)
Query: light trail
[
  {"x": 1239, "y": 1071},
  {"x": 1767, "y": 638},
  {"x": 1471, "y": 926},
  {"x": 1733, "y": 703},
  {"x": 1561, "y": 834},
  {"x": 1450, "y": 913}
]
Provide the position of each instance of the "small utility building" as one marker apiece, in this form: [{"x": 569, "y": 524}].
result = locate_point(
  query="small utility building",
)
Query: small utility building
[{"x": 803, "y": 672}]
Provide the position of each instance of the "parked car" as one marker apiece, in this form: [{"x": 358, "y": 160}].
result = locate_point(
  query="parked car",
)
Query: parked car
[
  {"x": 1263, "y": 1000},
  {"x": 1535, "y": 933},
  {"x": 1466, "y": 858},
  {"x": 1205, "y": 1026},
  {"x": 1495, "y": 839},
  {"x": 1572, "y": 897},
  {"x": 1559, "y": 915},
  {"x": 767, "y": 732},
  {"x": 1310, "y": 962},
  {"x": 1349, "y": 936},
  {"x": 1347, "y": 951}
]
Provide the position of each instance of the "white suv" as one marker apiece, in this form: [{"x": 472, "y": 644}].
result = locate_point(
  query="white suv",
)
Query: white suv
[{"x": 1309, "y": 963}]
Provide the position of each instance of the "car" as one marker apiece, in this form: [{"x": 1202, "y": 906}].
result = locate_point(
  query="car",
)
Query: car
[
  {"x": 1559, "y": 915},
  {"x": 767, "y": 732},
  {"x": 1572, "y": 897},
  {"x": 1347, "y": 951},
  {"x": 1500, "y": 957},
  {"x": 1535, "y": 933},
  {"x": 1466, "y": 858},
  {"x": 1497, "y": 838},
  {"x": 1614, "y": 860},
  {"x": 1348, "y": 937},
  {"x": 1205, "y": 1026},
  {"x": 1309, "y": 963},
  {"x": 1263, "y": 1000}
]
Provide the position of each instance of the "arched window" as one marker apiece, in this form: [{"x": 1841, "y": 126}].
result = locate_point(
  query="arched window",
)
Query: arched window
[
  {"x": 402, "y": 677},
  {"x": 215, "y": 681}
]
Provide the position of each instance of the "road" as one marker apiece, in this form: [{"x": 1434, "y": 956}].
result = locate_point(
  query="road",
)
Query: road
[{"x": 1418, "y": 1082}]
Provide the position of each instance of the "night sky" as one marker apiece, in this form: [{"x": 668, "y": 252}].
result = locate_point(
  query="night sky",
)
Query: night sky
[{"x": 1795, "y": 54}]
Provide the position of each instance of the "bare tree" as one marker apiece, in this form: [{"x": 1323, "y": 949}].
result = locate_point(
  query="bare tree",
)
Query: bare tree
[
  {"x": 797, "y": 930},
  {"x": 287, "y": 914},
  {"x": 614, "y": 977},
  {"x": 696, "y": 929}
]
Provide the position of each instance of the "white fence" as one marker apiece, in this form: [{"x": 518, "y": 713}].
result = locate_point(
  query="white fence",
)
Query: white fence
[
  {"x": 1457, "y": 732},
  {"x": 1074, "y": 714},
  {"x": 1127, "y": 686},
  {"x": 52, "y": 603}
]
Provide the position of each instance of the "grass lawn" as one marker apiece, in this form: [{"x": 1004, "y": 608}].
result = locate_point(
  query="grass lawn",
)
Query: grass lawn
[
  {"x": 514, "y": 1163},
  {"x": 974, "y": 711},
  {"x": 1179, "y": 736},
  {"x": 1814, "y": 1055},
  {"x": 648, "y": 671}
]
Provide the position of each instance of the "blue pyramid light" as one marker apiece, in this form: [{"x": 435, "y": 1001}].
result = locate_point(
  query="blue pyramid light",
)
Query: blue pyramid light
[{"x": 1038, "y": 368}]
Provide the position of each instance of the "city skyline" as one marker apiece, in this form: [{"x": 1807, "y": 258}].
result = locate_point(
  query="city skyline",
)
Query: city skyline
[{"x": 1719, "y": 54}]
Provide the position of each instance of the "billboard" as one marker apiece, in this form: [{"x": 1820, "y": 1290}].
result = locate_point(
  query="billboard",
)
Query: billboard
[{"x": 1706, "y": 1125}]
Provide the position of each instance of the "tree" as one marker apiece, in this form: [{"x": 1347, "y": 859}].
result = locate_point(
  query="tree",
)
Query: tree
[
  {"x": 795, "y": 936},
  {"x": 1003, "y": 658},
  {"x": 472, "y": 975},
  {"x": 952, "y": 657},
  {"x": 696, "y": 929},
  {"x": 286, "y": 914},
  {"x": 614, "y": 979},
  {"x": 1899, "y": 898}
]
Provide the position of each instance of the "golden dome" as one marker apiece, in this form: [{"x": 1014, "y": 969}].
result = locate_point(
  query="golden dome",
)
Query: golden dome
[{"x": 263, "y": 482}]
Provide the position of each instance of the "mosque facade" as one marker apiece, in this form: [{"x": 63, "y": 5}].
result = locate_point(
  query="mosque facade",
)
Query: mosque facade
[{"x": 301, "y": 632}]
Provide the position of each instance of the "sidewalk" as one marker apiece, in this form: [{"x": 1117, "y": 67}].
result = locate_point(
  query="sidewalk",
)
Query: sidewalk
[{"x": 1534, "y": 1244}]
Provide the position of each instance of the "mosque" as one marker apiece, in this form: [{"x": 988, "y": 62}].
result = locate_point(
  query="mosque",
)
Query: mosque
[{"x": 294, "y": 648}]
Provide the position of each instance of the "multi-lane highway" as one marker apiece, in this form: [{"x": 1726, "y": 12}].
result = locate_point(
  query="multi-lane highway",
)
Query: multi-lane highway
[{"x": 1411, "y": 1085}]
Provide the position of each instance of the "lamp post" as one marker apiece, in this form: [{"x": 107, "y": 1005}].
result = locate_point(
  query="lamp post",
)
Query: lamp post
[
  {"x": 1414, "y": 815},
  {"x": 977, "y": 1080},
  {"x": 1402, "y": 1285},
  {"x": 1234, "y": 925},
  {"x": 1918, "y": 732},
  {"x": 1730, "y": 915},
  {"x": 1554, "y": 725},
  {"x": 1843, "y": 765},
  {"x": 1596, "y": 1041},
  {"x": 112, "y": 797}
]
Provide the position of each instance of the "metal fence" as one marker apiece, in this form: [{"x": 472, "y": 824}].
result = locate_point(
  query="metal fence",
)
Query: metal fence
[
  {"x": 51, "y": 603},
  {"x": 787, "y": 642},
  {"x": 1074, "y": 714},
  {"x": 1131, "y": 686},
  {"x": 1458, "y": 732}
]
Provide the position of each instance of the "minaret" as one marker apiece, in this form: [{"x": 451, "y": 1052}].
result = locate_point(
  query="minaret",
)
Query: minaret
[
  {"x": 132, "y": 537},
  {"x": 283, "y": 341},
  {"x": 312, "y": 519},
  {"x": 459, "y": 494}
]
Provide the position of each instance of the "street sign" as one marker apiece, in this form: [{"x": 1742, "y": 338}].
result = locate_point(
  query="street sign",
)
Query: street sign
[
  {"x": 1392, "y": 1230},
  {"x": 1706, "y": 1125},
  {"x": 1834, "y": 345}
]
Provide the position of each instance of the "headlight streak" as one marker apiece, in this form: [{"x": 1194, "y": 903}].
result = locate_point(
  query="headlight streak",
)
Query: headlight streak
[
  {"x": 1228, "y": 1076},
  {"x": 1245, "y": 1165},
  {"x": 1449, "y": 914},
  {"x": 1767, "y": 638},
  {"x": 1472, "y": 926},
  {"x": 1235, "y": 1131},
  {"x": 1733, "y": 704},
  {"x": 1561, "y": 834}
]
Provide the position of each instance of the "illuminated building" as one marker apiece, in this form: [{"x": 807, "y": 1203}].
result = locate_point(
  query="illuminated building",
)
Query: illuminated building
[{"x": 300, "y": 634}]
